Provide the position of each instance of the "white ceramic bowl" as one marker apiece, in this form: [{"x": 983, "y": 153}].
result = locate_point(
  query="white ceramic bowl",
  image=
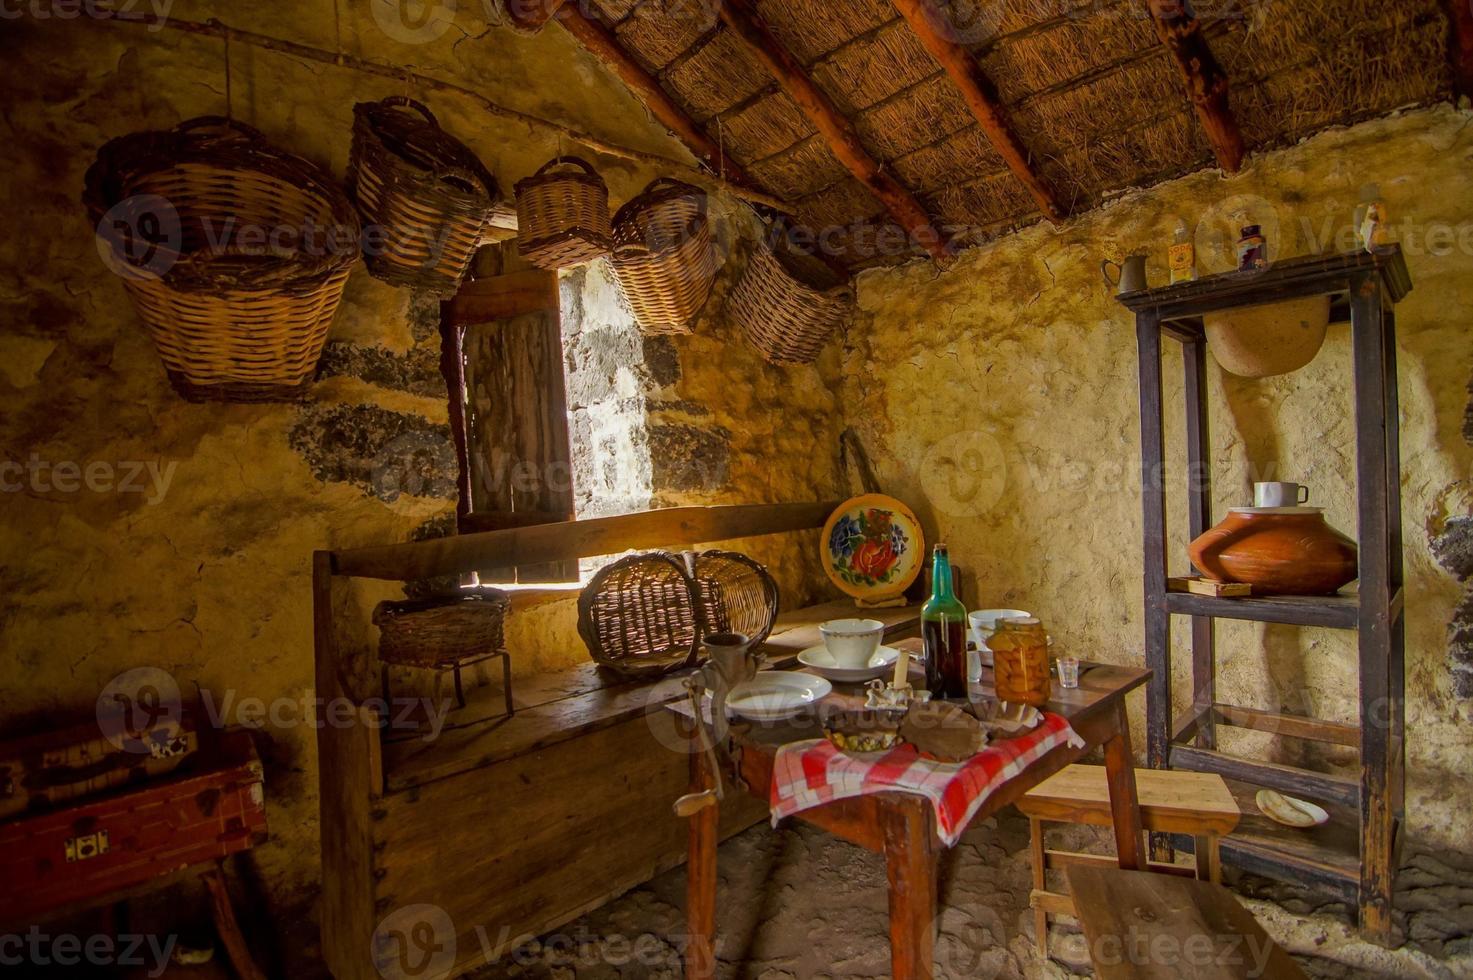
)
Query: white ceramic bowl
[
  {"x": 984, "y": 621},
  {"x": 852, "y": 642}
]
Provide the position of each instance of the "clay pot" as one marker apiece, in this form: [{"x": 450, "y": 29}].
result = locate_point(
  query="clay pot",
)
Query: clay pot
[
  {"x": 1277, "y": 550},
  {"x": 1276, "y": 338}
]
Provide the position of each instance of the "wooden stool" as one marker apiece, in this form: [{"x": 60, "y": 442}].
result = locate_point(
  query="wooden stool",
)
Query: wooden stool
[
  {"x": 1141, "y": 926},
  {"x": 1193, "y": 803}
]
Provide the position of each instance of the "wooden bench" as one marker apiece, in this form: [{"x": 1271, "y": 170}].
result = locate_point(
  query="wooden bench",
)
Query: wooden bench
[{"x": 515, "y": 825}]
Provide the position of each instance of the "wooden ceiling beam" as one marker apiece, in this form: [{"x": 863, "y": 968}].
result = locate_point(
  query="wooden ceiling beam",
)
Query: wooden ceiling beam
[
  {"x": 1460, "y": 44},
  {"x": 746, "y": 23},
  {"x": 929, "y": 24},
  {"x": 1207, "y": 83},
  {"x": 603, "y": 45}
]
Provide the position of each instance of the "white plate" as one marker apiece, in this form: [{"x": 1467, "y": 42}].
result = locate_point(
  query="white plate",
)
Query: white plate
[
  {"x": 774, "y": 695},
  {"x": 1289, "y": 810},
  {"x": 880, "y": 665}
]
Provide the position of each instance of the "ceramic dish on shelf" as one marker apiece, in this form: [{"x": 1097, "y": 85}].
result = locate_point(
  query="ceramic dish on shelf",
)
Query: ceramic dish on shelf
[
  {"x": 881, "y": 664},
  {"x": 1289, "y": 811},
  {"x": 776, "y": 695},
  {"x": 872, "y": 547}
]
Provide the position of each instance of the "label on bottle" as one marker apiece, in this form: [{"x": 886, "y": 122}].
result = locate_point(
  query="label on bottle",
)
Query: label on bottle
[{"x": 1182, "y": 259}]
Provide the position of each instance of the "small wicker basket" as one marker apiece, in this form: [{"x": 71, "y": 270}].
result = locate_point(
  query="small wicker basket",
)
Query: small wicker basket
[
  {"x": 663, "y": 255},
  {"x": 442, "y": 632},
  {"x": 646, "y": 615},
  {"x": 424, "y": 194},
  {"x": 234, "y": 252},
  {"x": 788, "y": 304},
  {"x": 563, "y": 214}
]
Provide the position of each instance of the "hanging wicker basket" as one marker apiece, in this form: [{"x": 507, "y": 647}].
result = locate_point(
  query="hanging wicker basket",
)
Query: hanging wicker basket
[
  {"x": 663, "y": 255},
  {"x": 788, "y": 304},
  {"x": 234, "y": 252},
  {"x": 563, "y": 214},
  {"x": 646, "y": 615},
  {"x": 423, "y": 194}
]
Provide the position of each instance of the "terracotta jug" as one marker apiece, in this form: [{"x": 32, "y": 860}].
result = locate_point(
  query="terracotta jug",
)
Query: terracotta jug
[{"x": 1277, "y": 550}]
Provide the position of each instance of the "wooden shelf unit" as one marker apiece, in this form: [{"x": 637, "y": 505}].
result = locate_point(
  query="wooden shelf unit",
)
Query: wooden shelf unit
[{"x": 1364, "y": 288}]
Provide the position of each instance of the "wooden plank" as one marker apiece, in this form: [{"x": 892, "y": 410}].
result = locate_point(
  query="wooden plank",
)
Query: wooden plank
[
  {"x": 1124, "y": 800},
  {"x": 742, "y": 17},
  {"x": 1287, "y": 278},
  {"x": 1143, "y": 926},
  {"x": 521, "y": 847},
  {"x": 675, "y": 527},
  {"x": 452, "y": 369},
  {"x": 1206, "y": 81},
  {"x": 910, "y": 870},
  {"x": 349, "y": 780},
  {"x": 1153, "y": 506},
  {"x": 585, "y": 701},
  {"x": 1289, "y": 779},
  {"x": 1325, "y": 858},
  {"x": 1067, "y": 859},
  {"x": 1171, "y": 802},
  {"x": 931, "y": 26},
  {"x": 1294, "y": 726},
  {"x": 1368, "y": 355},
  {"x": 1199, "y": 519},
  {"x": 1335, "y": 612},
  {"x": 501, "y": 297}
]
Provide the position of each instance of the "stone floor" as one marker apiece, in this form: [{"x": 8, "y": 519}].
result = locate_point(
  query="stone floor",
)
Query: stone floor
[{"x": 795, "y": 904}]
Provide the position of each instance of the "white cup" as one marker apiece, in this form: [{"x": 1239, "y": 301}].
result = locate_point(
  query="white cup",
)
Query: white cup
[
  {"x": 1280, "y": 495},
  {"x": 852, "y": 642}
]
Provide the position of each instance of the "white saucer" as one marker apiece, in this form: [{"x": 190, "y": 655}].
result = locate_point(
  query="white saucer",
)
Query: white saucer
[
  {"x": 774, "y": 695},
  {"x": 819, "y": 658}
]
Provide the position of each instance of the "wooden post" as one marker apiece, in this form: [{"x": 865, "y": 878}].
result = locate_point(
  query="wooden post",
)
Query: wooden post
[
  {"x": 227, "y": 927},
  {"x": 1460, "y": 44},
  {"x": 1199, "y": 506},
  {"x": 1125, "y": 809},
  {"x": 930, "y": 25},
  {"x": 910, "y": 866},
  {"x": 1206, "y": 82},
  {"x": 700, "y": 887},
  {"x": 746, "y": 23},
  {"x": 1368, "y": 343}
]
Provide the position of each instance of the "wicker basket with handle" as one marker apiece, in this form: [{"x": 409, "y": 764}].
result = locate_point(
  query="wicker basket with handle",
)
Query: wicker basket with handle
[
  {"x": 426, "y": 197},
  {"x": 788, "y": 304},
  {"x": 442, "y": 631},
  {"x": 645, "y": 615},
  {"x": 235, "y": 254},
  {"x": 663, "y": 255},
  {"x": 563, "y": 214}
]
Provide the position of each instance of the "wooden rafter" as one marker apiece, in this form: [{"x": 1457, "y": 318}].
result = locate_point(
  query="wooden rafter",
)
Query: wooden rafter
[
  {"x": 843, "y": 139},
  {"x": 1460, "y": 44},
  {"x": 929, "y": 24},
  {"x": 1206, "y": 81}
]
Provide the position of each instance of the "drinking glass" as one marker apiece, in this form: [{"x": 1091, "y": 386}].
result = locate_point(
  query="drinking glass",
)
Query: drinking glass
[{"x": 1068, "y": 671}]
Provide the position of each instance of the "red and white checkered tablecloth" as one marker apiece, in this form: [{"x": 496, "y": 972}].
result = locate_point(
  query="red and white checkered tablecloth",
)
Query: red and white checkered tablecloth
[{"x": 812, "y": 772}]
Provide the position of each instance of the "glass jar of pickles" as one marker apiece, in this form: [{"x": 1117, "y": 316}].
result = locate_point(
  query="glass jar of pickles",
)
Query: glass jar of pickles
[{"x": 1020, "y": 661}]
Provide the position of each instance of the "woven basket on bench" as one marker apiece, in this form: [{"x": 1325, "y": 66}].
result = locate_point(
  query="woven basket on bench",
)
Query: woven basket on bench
[
  {"x": 234, "y": 252},
  {"x": 426, "y": 196},
  {"x": 788, "y": 304},
  {"x": 663, "y": 256},
  {"x": 563, "y": 214},
  {"x": 442, "y": 631},
  {"x": 645, "y": 615}
]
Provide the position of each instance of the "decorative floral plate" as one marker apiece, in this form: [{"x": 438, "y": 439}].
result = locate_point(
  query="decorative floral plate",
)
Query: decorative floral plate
[{"x": 872, "y": 547}]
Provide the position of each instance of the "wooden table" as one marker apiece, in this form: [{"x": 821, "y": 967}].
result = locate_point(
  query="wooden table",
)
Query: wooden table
[{"x": 901, "y": 826}]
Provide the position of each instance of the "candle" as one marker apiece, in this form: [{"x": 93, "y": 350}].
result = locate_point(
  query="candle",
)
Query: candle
[{"x": 902, "y": 668}]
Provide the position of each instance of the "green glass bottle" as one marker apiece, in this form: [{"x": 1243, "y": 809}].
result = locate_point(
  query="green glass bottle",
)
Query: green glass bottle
[{"x": 944, "y": 633}]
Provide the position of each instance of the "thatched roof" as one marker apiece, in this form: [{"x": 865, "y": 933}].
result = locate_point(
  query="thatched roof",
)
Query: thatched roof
[{"x": 1096, "y": 100}]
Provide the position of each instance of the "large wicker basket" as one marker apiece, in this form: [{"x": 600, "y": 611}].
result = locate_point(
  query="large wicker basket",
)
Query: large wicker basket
[
  {"x": 563, "y": 214},
  {"x": 441, "y": 631},
  {"x": 663, "y": 255},
  {"x": 423, "y": 194},
  {"x": 788, "y": 304},
  {"x": 234, "y": 252},
  {"x": 646, "y": 615}
]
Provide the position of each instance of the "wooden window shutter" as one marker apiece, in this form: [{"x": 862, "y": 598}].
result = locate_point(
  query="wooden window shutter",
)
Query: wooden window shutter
[{"x": 503, "y": 331}]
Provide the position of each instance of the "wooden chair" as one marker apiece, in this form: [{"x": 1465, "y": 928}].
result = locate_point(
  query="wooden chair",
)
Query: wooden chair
[
  {"x": 1142, "y": 926},
  {"x": 1196, "y": 804}
]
